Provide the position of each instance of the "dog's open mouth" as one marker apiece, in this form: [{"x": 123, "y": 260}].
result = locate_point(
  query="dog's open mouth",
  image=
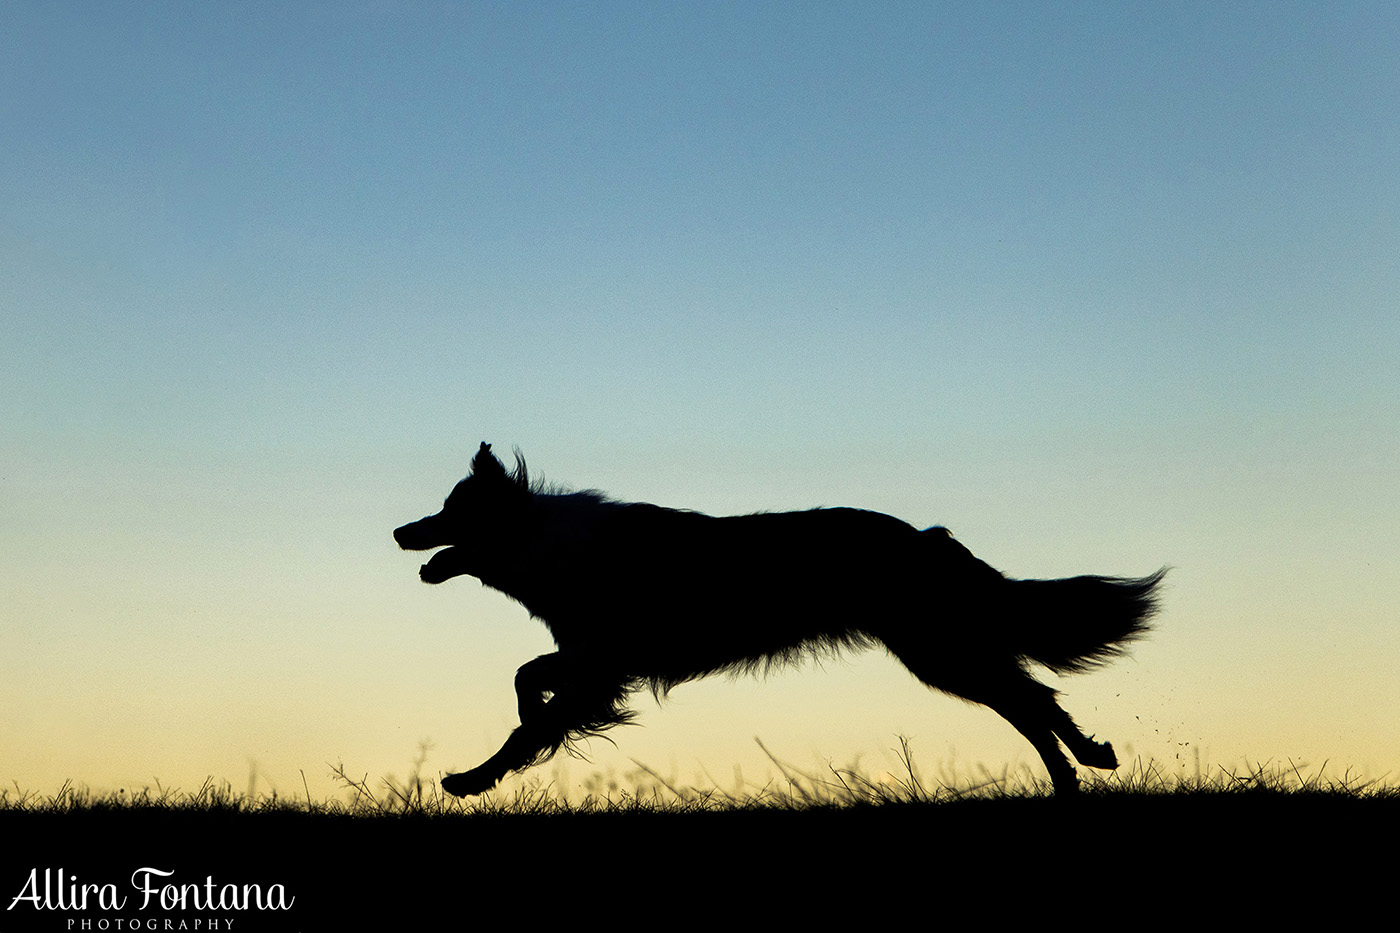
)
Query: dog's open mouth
[{"x": 444, "y": 565}]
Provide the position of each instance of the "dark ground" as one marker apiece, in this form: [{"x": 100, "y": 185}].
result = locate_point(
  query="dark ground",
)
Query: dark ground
[{"x": 1105, "y": 860}]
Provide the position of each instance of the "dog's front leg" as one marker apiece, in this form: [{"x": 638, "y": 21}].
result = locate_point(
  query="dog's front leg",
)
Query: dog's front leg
[
  {"x": 533, "y": 681},
  {"x": 524, "y": 747},
  {"x": 580, "y": 707}
]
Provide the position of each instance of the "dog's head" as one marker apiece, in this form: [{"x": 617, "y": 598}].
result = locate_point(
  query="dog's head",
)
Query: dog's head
[{"x": 480, "y": 507}]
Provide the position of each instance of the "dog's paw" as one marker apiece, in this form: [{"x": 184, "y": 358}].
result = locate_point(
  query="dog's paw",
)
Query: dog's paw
[
  {"x": 1099, "y": 755},
  {"x": 469, "y": 783}
]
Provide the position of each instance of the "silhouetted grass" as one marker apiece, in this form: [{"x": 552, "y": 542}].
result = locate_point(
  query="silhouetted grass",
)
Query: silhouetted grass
[
  {"x": 652, "y": 792},
  {"x": 790, "y": 848}
]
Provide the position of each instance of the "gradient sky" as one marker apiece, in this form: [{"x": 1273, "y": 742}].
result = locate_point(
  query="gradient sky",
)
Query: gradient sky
[{"x": 1101, "y": 287}]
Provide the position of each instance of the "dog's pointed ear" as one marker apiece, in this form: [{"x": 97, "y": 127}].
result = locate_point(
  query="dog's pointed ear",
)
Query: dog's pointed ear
[{"x": 485, "y": 462}]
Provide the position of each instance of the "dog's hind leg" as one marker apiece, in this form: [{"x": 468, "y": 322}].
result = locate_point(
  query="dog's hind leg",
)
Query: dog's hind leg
[
  {"x": 1031, "y": 708},
  {"x": 1083, "y": 747},
  {"x": 1018, "y": 698}
]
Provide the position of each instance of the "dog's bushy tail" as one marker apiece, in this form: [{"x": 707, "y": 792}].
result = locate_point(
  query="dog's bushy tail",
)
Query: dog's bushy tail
[
  {"x": 1079, "y": 623},
  {"x": 1068, "y": 625}
]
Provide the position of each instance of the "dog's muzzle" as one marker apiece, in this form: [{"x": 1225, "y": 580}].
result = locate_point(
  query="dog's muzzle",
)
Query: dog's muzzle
[
  {"x": 423, "y": 535},
  {"x": 418, "y": 536}
]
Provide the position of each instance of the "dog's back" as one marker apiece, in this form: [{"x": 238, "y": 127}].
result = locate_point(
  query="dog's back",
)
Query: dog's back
[{"x": 670, "y": 595}]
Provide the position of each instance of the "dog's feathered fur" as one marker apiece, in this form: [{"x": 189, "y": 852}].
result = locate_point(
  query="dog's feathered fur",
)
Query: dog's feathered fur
[{"x": 638, "y": 596}]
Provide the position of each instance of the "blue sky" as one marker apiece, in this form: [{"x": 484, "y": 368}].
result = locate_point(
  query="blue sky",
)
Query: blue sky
[{"x": 1101, "y": 289}]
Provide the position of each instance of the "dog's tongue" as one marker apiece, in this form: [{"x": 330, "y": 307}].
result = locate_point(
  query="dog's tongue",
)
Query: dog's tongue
[{"x": 444, "y": 565}]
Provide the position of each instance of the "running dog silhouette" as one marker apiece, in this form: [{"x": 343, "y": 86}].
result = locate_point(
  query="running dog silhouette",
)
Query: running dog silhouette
[{"x": 638, "y": 596}]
